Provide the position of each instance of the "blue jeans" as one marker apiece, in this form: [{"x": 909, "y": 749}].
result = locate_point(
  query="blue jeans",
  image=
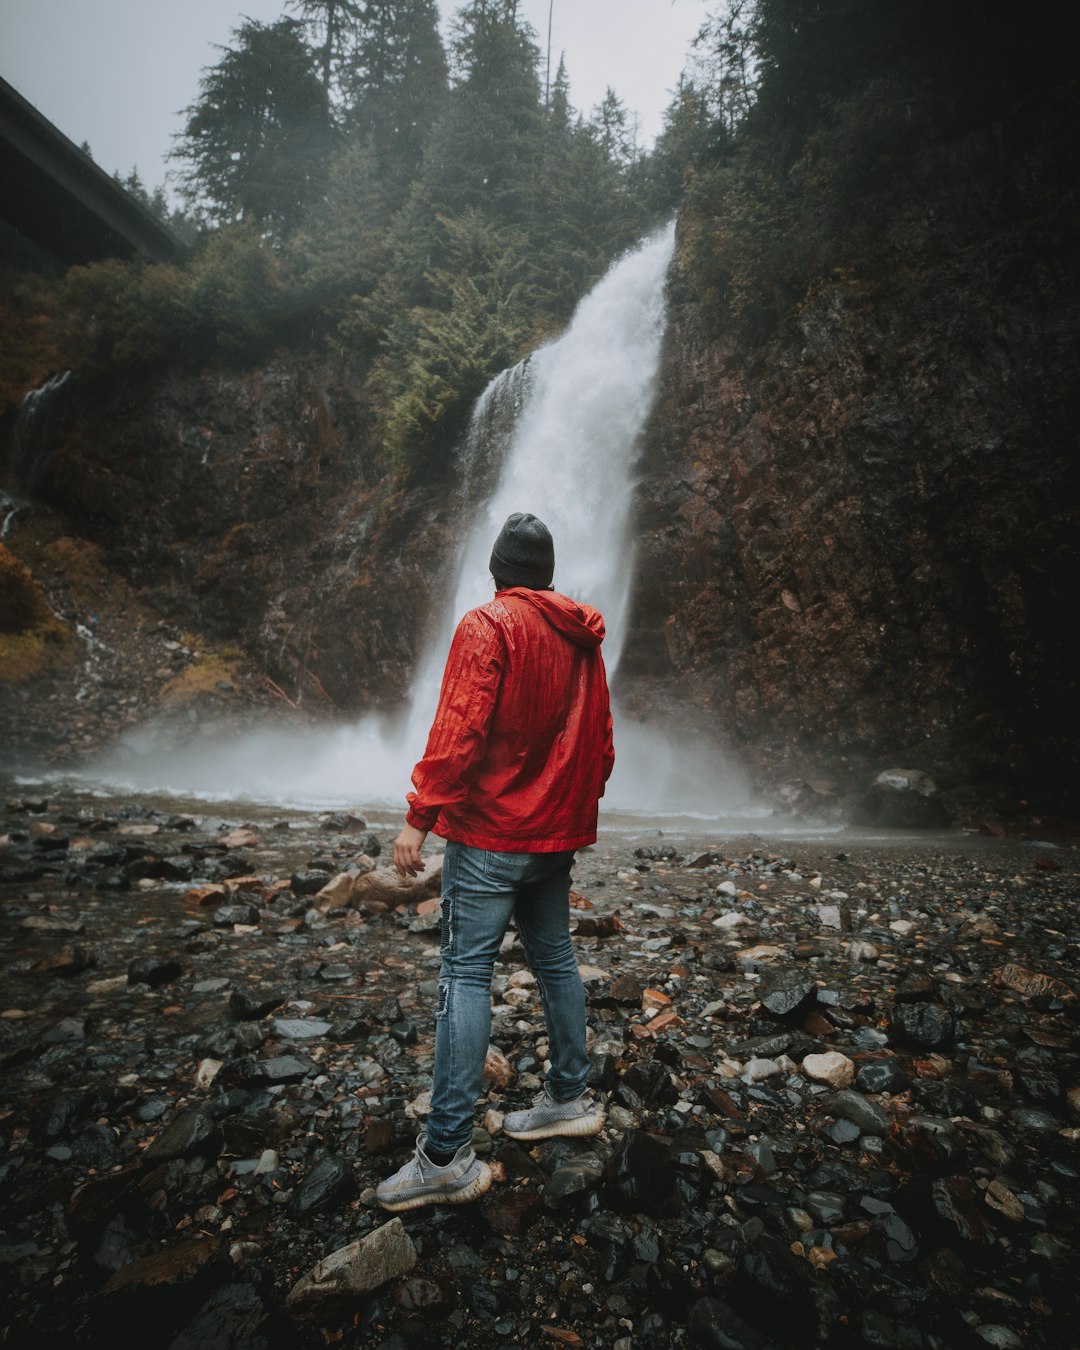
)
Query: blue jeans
[{"x": 481, "y": 891}]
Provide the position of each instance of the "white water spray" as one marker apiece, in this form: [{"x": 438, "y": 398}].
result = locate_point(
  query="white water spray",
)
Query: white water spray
[{"x": 579, "y": 408}]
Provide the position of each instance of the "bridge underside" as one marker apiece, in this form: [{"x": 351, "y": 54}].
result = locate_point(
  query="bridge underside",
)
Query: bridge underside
[{"x": 54, "y": 197}]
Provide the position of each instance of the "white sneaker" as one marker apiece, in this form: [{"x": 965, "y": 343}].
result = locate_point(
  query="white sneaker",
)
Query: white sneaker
[
  {"x": 548, "y": 1118},
  {"x": 422, "y": 1182}
]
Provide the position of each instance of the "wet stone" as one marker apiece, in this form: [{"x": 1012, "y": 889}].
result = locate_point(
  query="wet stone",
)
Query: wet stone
[
  {"x": 230, "y": 916},
  {"x": 762, "y": 1155},
  {"x": 842, "y": 1132},
  {"x": 329, "y": 1184},
  {"x": 65, "y": 1031},
  {"x": 882, "y": 1075},
  {"x": 646, "y": 1084},
  {"x": 611, "y": 1246},
  {"x": 512, "y": 1212},
  {"x": 826, "y": 1207},
  {"x": 192, "y": 1133},
  {"x": 571, "y": 1180},
  {"x": 641, "y": 1178},
  {"x": 916, "y": 987},
  {"x": 789, "y": 995},
  {"x": 151, "y": 1109},
  {"x": 1031, "y": 1118},
  {"x": 282, "y": 1069},
  {"x": 94, "y": 1148},
  {"x": 234, "y": 1315},
  {"x": 767, "y": 1047},
  {"x": 774, "y": 1291},
  {"x": 299, "y": 1028},
  {"x": 625, "y": 990},
  {"x": 154, "y": 971},
  {"x": 175, "y": 1265},
  {"x": 867, "y": 1115},
  {"x": 308, "y": 882},
  {"x": 896, "y": 1238},
  {"x": 487, "y": 1303},
  {"x": 336, "y": 974},
  {"x": 928, "y": 1025},
  {"x": 424, "y": 1294},
  {"x": 956, "y": 1200}
]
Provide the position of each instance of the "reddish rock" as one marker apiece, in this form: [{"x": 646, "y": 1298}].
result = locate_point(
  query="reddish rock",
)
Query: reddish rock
[
  {"x": 172, "y": 1265},
  {"x": 1033, "y": 984}
]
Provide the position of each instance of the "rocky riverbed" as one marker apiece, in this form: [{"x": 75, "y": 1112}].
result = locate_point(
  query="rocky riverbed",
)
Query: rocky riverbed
[{"x": 840, "y": 1077}]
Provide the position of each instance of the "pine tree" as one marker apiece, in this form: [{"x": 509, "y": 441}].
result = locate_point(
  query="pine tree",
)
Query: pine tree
[
  {"x": 610, "y": 123},
  {"x": 335, "y": 25},
  {"x": 692, "y": 138},
  {"x": 396, "y": 87},
  {"x": 258, "y": 138},
  {"x": 486, "y": 155}
]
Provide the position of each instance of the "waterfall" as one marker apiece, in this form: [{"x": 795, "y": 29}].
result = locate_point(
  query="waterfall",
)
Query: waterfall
[
  {"x": 34, "y": 428},
  {"x": 581, "y": 405},
  {"x": 557, "y": 436}
]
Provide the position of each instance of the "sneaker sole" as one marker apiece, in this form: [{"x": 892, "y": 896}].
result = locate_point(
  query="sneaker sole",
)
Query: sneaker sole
[
  {"x": 574, "y": 1129},
  {"x": 479, "y": 1186}
]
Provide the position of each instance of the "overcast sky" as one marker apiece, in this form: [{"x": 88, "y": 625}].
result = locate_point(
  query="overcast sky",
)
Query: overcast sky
[{"x": 118, "y": 73}]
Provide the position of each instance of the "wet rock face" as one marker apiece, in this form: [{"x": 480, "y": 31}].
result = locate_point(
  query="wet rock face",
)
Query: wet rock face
[
  {"x": 817, "y": 1133},
  {"x": 252, "y": 507},
  {"x": 853, "y": 537}
]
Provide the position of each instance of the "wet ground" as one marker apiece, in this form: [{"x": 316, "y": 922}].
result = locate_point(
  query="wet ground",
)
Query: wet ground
[{"x": 840, "y": 1074}]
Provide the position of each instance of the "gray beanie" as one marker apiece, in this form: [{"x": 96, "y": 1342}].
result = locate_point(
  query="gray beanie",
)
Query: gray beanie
[{"x": 524, "y": 553}]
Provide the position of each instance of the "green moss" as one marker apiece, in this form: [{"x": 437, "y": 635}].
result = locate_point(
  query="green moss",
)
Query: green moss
[
  {"x": 28, "y": 655},
  {"x": 212, "y": 668}
]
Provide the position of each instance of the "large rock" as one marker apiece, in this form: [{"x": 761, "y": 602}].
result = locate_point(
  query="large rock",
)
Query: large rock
[
  {"x": 193, "y": 1133},
  {"x": 642, "y": 1178},
  {"x": 178, "y": 1264},
  {"x": 905, "y": 799},
  {"x": 381, "y": 888},
  {"x": 386, "y": 1254}
]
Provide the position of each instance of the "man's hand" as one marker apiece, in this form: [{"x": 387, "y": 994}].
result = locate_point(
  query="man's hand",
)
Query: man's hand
[{"x": 407, "y": 848}]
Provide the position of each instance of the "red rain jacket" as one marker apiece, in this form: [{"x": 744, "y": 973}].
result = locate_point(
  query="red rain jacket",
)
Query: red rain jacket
[{"x": 520, "y": 748}]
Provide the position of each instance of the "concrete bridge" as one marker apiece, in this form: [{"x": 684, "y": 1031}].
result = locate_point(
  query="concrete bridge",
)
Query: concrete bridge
[{"x": 54, "y": 200}]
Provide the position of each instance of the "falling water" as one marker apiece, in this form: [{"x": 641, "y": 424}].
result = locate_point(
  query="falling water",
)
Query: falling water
[
  {"x": 567, "y": 453},
  {"x": 570, "y": 461},
  {"x": 34, "y": 430}
]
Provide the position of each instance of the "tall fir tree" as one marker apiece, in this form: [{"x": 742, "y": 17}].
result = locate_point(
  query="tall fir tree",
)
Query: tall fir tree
[
  {"x": 396, "y": 87},
  {"x": 334, "y": 25},
  {"x": 257, "y": 141}
]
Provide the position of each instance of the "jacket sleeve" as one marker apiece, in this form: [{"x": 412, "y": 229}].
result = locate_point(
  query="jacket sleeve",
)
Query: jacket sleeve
[
  {"x": 458, "y": 738},
  {"x": 609, "y": 739},
  {"x": 609, "y": 750}
]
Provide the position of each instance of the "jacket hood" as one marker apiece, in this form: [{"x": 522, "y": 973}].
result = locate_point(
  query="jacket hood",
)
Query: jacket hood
[{"x": 582, "y": 624}]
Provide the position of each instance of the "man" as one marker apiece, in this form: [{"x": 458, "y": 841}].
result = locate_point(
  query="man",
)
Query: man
[{"x": 516, "y": 761}]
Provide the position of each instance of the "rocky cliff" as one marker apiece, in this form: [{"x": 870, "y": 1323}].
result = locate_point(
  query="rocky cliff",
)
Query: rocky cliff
[
  {"x": 255, "y": 506},
  {"x": 859, "y": 535}
]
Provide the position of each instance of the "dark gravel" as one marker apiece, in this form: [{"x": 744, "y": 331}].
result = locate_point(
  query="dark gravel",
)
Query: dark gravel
[{"x": 840, "y": 1077}]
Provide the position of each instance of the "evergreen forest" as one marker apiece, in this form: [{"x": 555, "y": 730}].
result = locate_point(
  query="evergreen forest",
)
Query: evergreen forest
[{"x": 435, "y": 209}]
